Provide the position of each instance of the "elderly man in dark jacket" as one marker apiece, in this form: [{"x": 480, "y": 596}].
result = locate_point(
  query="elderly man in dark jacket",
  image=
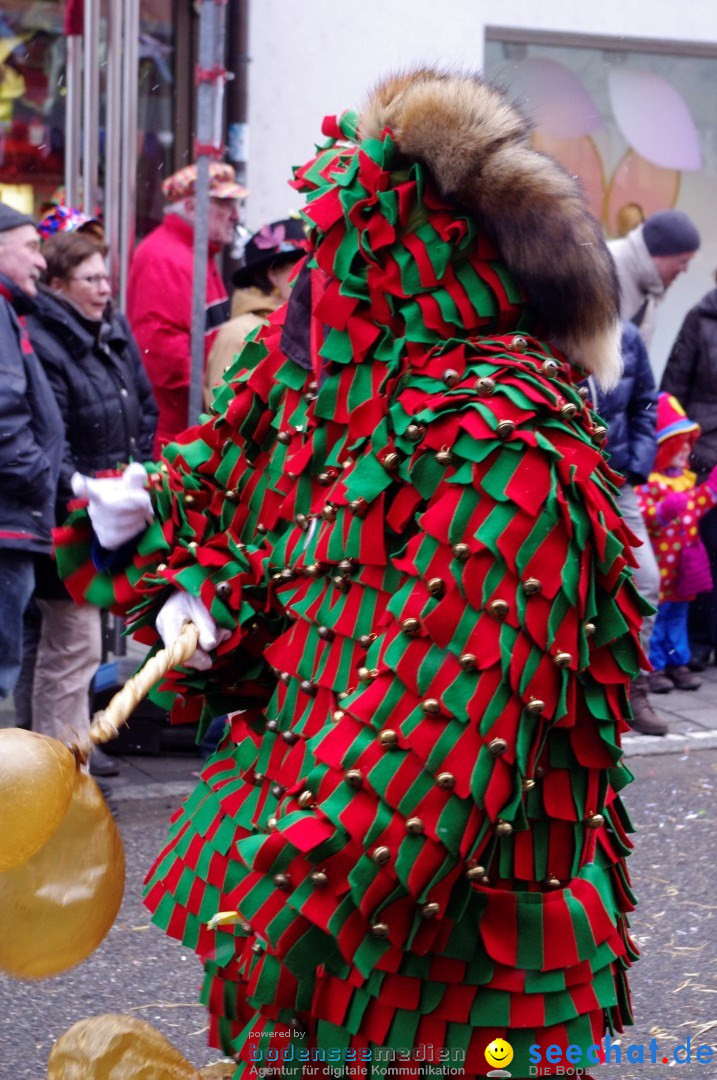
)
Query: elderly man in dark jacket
[
  {"x": 31, "y": 437},
  {"x": 629, "y": 412},
  {"x": 691, "y": 376}
]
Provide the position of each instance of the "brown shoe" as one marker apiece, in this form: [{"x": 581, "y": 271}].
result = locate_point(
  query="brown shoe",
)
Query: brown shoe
[
  {"x": 658, "y": 683},
  {"x": 683, "y": 678},
  {"x": 644, "y": 718}
]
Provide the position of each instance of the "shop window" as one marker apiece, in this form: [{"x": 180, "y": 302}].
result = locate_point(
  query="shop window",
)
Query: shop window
[
  {"x": 33, "y": 105},
  {"x": 638, "y": 127},
  {"x": 32, "y": 102},
  {"x": 635, "y": 122}
]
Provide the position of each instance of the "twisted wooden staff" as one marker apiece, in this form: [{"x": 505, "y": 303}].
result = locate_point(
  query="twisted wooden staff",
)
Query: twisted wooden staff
[{"x": 107, "y": 722}]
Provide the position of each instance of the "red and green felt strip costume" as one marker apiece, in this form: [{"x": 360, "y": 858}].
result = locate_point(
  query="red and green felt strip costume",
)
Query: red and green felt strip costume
[{"x": 415, "y": 543}]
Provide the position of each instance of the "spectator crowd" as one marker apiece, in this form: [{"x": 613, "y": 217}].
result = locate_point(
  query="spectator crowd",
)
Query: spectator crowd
[{"x": 87, "y": 389}]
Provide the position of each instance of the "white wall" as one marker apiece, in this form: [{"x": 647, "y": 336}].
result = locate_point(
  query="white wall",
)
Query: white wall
[
  {"x": 318, "y": 57},
  {"x": 314, "y": 57}
]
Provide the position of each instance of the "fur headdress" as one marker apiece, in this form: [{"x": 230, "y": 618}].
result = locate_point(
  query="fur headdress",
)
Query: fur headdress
[{"x": 475, "y": 145}]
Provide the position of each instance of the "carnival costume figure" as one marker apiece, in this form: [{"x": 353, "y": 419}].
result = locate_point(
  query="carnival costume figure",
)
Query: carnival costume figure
[{"x": 398, "y": 535}]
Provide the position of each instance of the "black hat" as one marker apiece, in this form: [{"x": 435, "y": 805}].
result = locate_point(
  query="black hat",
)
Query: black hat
[
  {"x": 13, "y": 219},
  {"x": 670, "y": 232},
  {"x": 274, "y": 244}
]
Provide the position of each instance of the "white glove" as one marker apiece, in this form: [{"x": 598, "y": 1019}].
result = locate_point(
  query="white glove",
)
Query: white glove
[
  {"x": 119, "y": 506},
  {"x": 182, "y": 608}
]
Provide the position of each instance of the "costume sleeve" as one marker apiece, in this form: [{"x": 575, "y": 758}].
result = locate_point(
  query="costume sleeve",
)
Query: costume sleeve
[
  {"x": 649, "y": 497},
  {"x": 196, "y": 541},
  {"x": 701, "y": 500}
]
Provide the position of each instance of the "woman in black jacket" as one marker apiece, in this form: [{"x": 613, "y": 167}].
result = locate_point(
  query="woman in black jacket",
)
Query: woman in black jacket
[
  {"x": 691, "y": 375},
  {"x": 94, "y": 368}
]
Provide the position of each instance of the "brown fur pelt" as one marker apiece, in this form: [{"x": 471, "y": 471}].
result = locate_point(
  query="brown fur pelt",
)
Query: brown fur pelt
[{"x": 476, "y": 146}]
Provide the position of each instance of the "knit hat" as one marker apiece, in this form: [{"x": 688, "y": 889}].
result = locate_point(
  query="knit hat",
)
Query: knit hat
[
  {"x": 672, "y": 424},
  {"x": 10, "y": 218},
  {"x": 63, "y": 219},
  {"x": 222, "y": 183},
  {"x": 279, "y": 242},
  {"x": 670, "y": 232},
  {"x": 672, "y": 419}
]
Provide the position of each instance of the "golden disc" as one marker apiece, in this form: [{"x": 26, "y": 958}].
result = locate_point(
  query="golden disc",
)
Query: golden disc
[
  {"x": 57, "y": 907},
  {"x": 37, "y": 778},
  {"x": 121, "y": 1047}
]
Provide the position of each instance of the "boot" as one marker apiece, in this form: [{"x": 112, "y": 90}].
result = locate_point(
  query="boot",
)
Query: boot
[
  {"x": 101, "y": 764},
  {"x": 658, "y": 683},
  {"x": 700, "y": 659},
  {"x": 644, "y": 718},
  {"x": 683, "y": 678}
]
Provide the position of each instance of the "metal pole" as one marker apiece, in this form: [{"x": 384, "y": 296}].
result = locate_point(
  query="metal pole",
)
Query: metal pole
[
  {"x": 220, "y": 84},
  {"x": 91, "y": 106},
  {"x": 128, "y": 155},
  {"x": 210, "y": 95},
  {"x": 73, "y": 119},
  {"x": 238, "y": 89},
  {"x": 113, "y": 140},
  {"x": 201, "y": 202}
]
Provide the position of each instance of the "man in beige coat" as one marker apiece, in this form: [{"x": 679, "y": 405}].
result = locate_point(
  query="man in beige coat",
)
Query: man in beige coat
[{"x": 263, "y": 284}]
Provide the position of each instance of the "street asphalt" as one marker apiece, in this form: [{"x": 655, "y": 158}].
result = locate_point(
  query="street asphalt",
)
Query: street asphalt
[{"x": 138, "y": 970}]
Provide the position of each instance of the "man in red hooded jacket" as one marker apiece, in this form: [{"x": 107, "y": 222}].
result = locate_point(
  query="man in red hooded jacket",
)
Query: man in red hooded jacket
[{"x": 159, "y": 293}]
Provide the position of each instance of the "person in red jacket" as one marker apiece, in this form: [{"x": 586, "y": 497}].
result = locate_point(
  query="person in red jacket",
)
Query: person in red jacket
[{"x": 159, "y": 289}]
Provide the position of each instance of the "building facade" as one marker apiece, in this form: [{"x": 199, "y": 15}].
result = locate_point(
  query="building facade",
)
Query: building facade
[
  {"x": 623, "y": 94},
  {"x": 632, "y": 110}
]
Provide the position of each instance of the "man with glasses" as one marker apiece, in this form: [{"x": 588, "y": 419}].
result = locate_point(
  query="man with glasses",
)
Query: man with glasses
[
  {"x": 31, "y": 438},
  {"x": 159, "y": 293}
]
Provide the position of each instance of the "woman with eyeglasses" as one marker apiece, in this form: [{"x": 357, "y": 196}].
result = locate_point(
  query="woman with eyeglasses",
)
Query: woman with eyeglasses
[{"x": 94, "y": 367}]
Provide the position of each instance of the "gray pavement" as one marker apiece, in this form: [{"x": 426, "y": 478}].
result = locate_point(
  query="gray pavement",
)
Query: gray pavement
[
  {"x": 691, "y": 715},
  {"x": 137, "y": 970}
]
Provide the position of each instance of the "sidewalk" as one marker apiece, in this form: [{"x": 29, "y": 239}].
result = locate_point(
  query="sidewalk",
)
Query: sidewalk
[
  {"x": 692, "y": 717},
  {"x": 171, "y": 775}
]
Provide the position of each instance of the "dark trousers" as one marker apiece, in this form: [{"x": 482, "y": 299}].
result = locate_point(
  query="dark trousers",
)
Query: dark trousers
[
  {"x": 17, "y": 581},
  {"x": 702, "y": 618},
  {"x": 22, "y": 696}
]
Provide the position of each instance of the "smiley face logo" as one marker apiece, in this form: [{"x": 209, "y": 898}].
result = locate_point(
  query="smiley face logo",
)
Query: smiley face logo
[{"x": 499, "y": 1053}]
